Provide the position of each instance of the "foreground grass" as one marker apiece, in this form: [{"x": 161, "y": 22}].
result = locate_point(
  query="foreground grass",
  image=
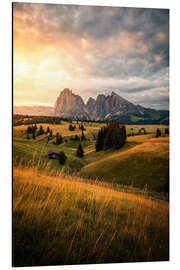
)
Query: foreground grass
[{"x": 67, "y": 220}]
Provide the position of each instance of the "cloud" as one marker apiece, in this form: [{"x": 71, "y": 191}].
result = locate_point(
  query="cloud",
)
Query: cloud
[{"x": 92, "y": 49}]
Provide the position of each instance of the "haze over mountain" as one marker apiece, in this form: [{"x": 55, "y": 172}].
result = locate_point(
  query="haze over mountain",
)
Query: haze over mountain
[
  {"x": 34, "y": 110},
  {"x": 72, "y": 106}
]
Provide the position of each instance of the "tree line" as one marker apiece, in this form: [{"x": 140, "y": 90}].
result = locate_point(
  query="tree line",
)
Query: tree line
[
  {"x": 159, "y": 133},
  {"x": 73, "y": 127},
  {"x": 19, "y": 119},
  {"x": 35, "y": 131},
  {"x": 111, "y": 136},
  {"x": 78, "y": 138},
  {"x": 29, "y": 120}
]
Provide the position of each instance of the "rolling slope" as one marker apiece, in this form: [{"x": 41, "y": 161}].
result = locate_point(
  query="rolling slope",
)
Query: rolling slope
[{"x": 145, "y": 164}]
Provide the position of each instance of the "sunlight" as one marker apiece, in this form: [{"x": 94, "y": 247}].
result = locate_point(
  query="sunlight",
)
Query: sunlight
[{"x": 20, "y": 67}]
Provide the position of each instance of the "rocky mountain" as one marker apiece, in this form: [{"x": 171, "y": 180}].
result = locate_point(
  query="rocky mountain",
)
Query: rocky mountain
[
  {"x": 70, "y": 105},
  {"x": 108, "y": 106},
  {"x": 113, "y": 106}
]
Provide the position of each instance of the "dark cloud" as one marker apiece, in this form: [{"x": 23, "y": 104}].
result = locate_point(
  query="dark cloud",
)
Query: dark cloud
[
  {"x": 156, "y": 103},
  {"x": 145, "y": 88}
]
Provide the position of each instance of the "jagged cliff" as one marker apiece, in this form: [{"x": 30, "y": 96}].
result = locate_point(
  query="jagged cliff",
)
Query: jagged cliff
[
  {"x": 72, "y": 106},
  {"x": 69, "y": 105}
]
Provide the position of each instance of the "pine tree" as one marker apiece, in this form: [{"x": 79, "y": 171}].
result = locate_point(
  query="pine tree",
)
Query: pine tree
[
  {"x": 57, "y": 138},
  {"x": 51, "y": 133},
  {"x": 41, "y": 130},
  {"x": 166, "y": 131},
  {"x": 108, "y": 139},
  {"x": 60, "y": 139},
  {"x": 62, "y": 158},
  {"x": 34, "y": 133},
  {"x": 158, "y": 133},
  {"x": 83, "y": 138},
  {"x": 76, "y": 138},
  {"x": 117, "y": 137},
  {"x": 29, "y": 129},
  {"x": 124, "y": 134},
  {"x": 99, "y": 141},
  {"x": 47, "y": 130},
  {"x": 82, "y": 127},
  {"x": 111, "y": 136},
  {"x": 132, "y": 133},
  {"x": 71, "y": 128},
  {"x": 80, "y": 151}
]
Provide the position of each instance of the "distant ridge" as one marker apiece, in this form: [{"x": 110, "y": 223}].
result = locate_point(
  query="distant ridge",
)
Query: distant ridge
[
  {"x": 34, "y": 110},
  {"x": 70, "y": 105}
]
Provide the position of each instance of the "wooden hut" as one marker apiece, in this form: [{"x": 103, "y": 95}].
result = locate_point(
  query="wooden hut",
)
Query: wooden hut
[{"x": 53, "y": 154}]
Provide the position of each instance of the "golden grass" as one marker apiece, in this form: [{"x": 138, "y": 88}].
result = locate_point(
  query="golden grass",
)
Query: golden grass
[
  {"x": 76, "y": 184},
  {"x": 91, "y": 128},
  {"x": 63, "y": 129},
  {"x": 70, "y": 220},
  {"x": 159, "y": 146},
  {"x": 148, "y": 128}
]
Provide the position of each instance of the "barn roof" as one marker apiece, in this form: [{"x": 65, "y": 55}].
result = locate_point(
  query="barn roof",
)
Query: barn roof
[{"x": 53, "y": 152}]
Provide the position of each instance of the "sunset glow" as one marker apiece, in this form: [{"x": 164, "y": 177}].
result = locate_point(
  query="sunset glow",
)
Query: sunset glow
[{"x": 91, "y": 50}]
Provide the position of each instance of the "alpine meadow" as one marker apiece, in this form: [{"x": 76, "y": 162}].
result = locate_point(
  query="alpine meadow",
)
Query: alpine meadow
[{"x": 90, "y": 134}]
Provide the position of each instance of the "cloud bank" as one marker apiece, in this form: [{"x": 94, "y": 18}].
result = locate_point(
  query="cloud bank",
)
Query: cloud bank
[{"x": 91, "y": 50}]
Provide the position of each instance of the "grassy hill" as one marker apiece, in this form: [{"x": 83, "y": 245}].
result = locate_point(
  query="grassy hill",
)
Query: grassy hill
[
  {"x": 142, "y": 162},
  {"x": 106, "y": 207},
  {"x": 60, "y": 219}
]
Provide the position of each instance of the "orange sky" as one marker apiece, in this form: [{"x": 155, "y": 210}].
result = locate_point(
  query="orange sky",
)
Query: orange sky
[{"x": 90, "y": 50}]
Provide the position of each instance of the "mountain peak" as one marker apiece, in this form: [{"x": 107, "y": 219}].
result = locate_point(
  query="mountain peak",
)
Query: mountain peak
[
  {"x": 90, "y": 99},
  {"x": 112, "y": 106},
  {"x": 114, "y": 94},
  {"x": 100, "y": 97},
  {"x": 66, "y": 91},
  {"x": 70, "y": 105}
]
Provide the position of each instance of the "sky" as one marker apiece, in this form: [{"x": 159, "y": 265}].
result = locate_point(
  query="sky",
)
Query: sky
[{"x": 90, "y": 50}]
